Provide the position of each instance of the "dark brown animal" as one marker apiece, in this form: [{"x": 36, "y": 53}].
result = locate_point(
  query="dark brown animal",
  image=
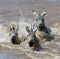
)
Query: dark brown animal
[
  {"x": 34, "y": 41},
  {"x": 15, "y": 39}
]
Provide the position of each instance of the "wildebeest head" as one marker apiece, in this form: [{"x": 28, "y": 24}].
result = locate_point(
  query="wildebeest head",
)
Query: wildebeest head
[
  {"x": 33, "y": 40},
  {"x": 39, "y": 19}
]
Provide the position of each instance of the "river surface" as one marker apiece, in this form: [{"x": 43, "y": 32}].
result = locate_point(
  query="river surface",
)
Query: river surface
[{"x": 10, "y": 10}]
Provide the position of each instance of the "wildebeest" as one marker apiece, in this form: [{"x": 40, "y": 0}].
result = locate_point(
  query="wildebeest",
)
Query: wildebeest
[
  {"x": 33, "y": 40},
  {"x": 40, "y": 25},
  {"x": 17, "y": 32}
]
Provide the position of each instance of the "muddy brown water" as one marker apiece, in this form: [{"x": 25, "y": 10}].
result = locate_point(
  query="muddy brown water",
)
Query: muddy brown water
[{"x": 10, "y": 10}]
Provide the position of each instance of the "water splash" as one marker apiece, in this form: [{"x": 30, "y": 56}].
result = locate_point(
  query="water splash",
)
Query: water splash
[{"x": 22, "y": 25}]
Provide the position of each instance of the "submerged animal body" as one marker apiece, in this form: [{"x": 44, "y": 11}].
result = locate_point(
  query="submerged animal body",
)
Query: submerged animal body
[
  {"x": 41, "y": 34},
  {"x": 47, "y": 31}
]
